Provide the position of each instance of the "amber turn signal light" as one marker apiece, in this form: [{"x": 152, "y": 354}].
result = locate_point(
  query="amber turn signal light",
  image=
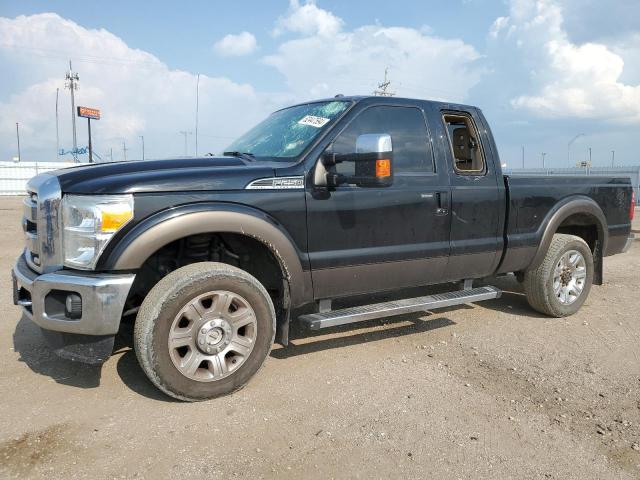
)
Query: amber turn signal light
[{"x": 383, "y": 168}]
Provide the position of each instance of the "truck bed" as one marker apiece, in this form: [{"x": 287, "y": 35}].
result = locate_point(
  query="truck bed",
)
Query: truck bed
[{"x": 532, "y": 201}]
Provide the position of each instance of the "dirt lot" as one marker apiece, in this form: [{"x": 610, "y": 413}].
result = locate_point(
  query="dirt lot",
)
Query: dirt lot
[{"x": 486, "y": 391}]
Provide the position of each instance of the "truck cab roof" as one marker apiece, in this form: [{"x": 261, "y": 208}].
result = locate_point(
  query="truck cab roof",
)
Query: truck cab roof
[{"x": 390, "y": 100}]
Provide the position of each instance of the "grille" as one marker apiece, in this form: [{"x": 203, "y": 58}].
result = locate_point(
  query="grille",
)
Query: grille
[
  {"x": 41, "y": 223},
  {"x": 30, "y": 227}
]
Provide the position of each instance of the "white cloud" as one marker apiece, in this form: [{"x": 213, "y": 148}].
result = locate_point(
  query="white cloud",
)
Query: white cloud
[
  {"x": 232, "y": 45},
  {"x": 570, "y": 80},
  {"x": 327, "y": 59},
  {"x": 140, "y": 95},
  {"x": 308, "y": 19},
  {"x": 137, "y": 93}
]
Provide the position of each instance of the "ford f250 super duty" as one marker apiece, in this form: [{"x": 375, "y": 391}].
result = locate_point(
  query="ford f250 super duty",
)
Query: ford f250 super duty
[{"x": 324, "y": 200}]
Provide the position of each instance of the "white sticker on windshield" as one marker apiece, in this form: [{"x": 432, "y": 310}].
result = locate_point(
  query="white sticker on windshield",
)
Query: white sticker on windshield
[{"x": 313, "y": 121}]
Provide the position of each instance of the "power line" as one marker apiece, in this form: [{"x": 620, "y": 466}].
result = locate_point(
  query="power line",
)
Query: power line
[
  {"x": 83, "y": 58},
  {"x": 218, "y": 136}
]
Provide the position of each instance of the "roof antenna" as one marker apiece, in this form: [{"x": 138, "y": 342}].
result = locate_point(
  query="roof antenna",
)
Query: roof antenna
[{"x": 383, "y": 88}]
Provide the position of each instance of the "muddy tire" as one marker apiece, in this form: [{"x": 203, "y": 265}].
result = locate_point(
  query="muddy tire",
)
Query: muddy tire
[
  {"x": 204, "y": 330},
  {"x": 561, "y": 283}
]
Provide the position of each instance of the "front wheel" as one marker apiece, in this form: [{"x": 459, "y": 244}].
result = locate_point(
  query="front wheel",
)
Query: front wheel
[
  {"x": 560, "y": 284},
  {"x": 204, "y": 330}
]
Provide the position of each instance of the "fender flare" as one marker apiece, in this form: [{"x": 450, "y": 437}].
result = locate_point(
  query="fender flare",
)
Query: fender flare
[
  {"x": 147, "y": 237},
  {"x": 563, "y": 210}
]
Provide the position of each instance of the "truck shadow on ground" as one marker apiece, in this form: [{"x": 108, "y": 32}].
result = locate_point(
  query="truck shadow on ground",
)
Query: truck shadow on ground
[
  {"x": 129, "y": 369},
  {"x": 513, "y": 300},
  {"x": 36, "y": 354},
  {"x": 392, "y": 327}
]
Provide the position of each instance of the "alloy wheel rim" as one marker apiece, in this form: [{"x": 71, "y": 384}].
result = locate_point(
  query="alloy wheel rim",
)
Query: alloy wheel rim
[
  {"x": 212, "y": 335},
  {"x": 569, "y": 277}
]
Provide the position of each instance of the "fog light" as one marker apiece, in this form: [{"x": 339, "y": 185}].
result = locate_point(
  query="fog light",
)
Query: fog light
[{"x": 73, "y": 306}]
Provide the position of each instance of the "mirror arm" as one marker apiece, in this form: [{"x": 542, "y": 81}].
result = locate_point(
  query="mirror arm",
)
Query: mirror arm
[
  {"x": 335, "y": 179},
  {"x": 330, "y": 159}
]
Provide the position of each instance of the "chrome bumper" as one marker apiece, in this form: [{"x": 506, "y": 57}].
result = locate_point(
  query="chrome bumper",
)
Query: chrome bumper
[
  {"x": 629, "y": 242},
  {"x": 103, "y": 298}
]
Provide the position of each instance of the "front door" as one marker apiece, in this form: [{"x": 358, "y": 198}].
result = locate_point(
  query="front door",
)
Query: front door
[{"x": 375, "y": 239}]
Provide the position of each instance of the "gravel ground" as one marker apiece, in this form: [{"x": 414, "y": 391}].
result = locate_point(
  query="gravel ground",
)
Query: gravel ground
[{"x": 489, "y": 391}]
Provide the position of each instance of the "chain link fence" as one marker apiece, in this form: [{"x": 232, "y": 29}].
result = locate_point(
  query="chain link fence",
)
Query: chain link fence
[
  {"x": 632, "y": 172},
  {"x": 14, "y": 176}
]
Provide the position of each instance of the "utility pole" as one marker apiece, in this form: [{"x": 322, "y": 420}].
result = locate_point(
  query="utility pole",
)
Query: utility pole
[
  {"x": 124, "y": 149},
  {"x": 383, "y": 88},
  {"x": 142, "y": 138},
  {"x": 57, "y": 128},
  {"x": 72, "y": 84},
  {"x": 589, "y": 156},
  {"x": 543, "y": 155},
  {"x": 197, "y": 107},
  {"x": 185, "y": 133},
  {"x": 111, "y": 153},
  {"x": 523, "y": 156},
  {"x": 613, "y": 157},
  {"x": 18, "y": 136}
]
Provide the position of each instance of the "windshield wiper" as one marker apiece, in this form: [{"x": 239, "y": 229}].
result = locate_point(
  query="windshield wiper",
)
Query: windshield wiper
[{"x": 244, "y": 155}]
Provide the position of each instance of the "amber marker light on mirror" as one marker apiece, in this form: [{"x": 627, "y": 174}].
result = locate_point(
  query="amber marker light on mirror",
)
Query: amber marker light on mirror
[{"x": 383, "y": 168}]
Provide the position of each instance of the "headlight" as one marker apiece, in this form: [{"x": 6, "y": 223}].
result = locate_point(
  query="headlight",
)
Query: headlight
[{"x": 89, "y": 222}]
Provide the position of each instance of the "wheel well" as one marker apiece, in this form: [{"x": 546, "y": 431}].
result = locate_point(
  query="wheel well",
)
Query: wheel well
[
  {"x": 585, "y": 226},
  {"x": 238, "y": 250}
]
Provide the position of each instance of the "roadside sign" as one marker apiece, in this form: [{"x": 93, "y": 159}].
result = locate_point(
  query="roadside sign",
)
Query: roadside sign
[
  {"x": 87, "y": 112},
  {"x": 90, "y": 114}
]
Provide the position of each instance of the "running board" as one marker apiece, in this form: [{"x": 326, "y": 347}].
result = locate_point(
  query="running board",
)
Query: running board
[{"x": 317, "y": 321}]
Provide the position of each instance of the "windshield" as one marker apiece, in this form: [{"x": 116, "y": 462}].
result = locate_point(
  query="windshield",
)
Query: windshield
[{"x": 286, "y": 133}]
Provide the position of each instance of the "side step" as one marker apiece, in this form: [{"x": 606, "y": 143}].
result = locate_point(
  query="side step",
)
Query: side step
[{"x": 316, "y": 321}]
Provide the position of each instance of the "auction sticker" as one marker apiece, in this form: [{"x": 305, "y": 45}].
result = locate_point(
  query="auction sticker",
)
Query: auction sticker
[{"x": 314, "y": 121}]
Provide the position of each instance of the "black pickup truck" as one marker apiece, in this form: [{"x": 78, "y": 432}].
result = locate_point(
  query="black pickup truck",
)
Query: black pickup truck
[{"x": 323, "y": 200}]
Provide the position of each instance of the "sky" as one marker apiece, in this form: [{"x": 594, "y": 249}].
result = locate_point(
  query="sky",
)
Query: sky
[{"x": 546, "y": 73}]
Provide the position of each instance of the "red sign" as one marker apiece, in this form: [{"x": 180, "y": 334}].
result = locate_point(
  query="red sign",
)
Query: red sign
[{"x": 86, "y": 112}]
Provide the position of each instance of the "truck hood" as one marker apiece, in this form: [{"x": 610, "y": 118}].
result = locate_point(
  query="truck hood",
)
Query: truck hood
[{"x": 171, "y": 175}]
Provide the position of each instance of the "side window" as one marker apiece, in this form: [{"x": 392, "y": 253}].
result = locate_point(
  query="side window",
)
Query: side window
[
  {"x": 465, "y": 144},
  {"x": 408, "y": 130}
]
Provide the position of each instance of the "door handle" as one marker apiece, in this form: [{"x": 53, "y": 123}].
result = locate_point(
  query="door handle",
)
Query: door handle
[{"x": 442, "y": 199}]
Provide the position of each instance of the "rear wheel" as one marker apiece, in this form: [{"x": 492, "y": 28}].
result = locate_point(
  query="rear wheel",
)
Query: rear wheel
[
  {"x": 204, "y": 330},
  {"x": 561, "y": 283}
]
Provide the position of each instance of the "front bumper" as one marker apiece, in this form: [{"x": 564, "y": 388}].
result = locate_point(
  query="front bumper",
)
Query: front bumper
[{"x": 42, "y": 299}]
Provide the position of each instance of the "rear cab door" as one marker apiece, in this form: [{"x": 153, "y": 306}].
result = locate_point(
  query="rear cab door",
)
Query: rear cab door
[{"x": 464, "y": 142}]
